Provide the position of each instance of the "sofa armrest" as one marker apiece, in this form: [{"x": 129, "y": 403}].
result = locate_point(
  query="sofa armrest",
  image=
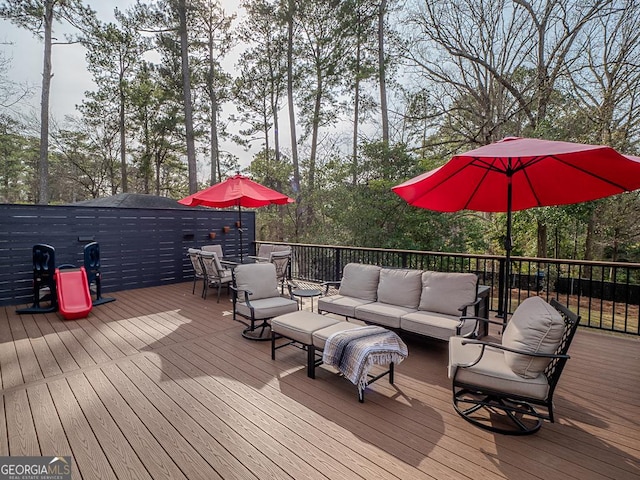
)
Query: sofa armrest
[
  {"x": 479, "y": 321},
  {"x": 326, "y": 285},
  {"x": 463, "y": 308}
]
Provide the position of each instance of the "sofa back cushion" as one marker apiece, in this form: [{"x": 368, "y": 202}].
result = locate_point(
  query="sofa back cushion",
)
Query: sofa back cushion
[
  {"x": 258, "y": 278},
  {"x": 535, "y": 327},
  {"x": 360, "y": 281},
  {"x": 400, "y": 287},
  {"x": 446, "y": 292}
]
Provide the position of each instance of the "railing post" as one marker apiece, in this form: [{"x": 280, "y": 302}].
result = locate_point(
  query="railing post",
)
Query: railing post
[
  {"x": 501, "y": 286},
  {"x": 337, "y": 266}
]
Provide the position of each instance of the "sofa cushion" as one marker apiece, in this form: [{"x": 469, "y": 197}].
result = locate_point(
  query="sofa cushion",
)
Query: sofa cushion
[
  {"x": 258, "y": 278},
  {"x": 360, "y": 281},
  {"x": 383, "y": 314},
  {"x": 400, "y": 287},
  {"x": 446, "y": 292},
  {"x": 340, "y": 305},
  {"x": 535, "y": 327},
  {"x": 434, "y": 325}
]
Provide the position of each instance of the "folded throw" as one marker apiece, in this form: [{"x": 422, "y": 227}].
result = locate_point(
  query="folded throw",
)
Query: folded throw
[{"x": 353, "y": 352}]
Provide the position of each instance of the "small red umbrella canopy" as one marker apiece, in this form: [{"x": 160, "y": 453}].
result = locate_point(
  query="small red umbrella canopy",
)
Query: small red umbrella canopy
[
  {"x": 520, "y": 173},
  {"x": 237, "y": 191}
]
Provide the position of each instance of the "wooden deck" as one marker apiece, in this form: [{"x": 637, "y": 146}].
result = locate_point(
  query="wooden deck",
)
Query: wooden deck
[{"x": 160, "y": 384}]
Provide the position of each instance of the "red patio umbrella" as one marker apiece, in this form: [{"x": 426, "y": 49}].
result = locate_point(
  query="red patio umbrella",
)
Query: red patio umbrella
[
  {"x": 520, "y": 173},
  {"x": 237, "y": 191}
]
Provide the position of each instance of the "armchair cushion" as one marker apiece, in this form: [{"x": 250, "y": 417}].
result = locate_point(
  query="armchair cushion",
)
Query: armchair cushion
[
  {"x": 491, "y": 372},
  {"x": 535, "y": 327},
  {"x": 360, "y": 281},
  {"x": 400, "y": 287},
  {"x": 265, "y": 308},
  {"x": 259, "y": 279},
  {"x": 446, "y": 292}
]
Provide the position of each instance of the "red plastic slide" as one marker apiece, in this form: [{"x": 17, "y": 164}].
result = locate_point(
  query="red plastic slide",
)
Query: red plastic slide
[{"x": 74, "y": 297}]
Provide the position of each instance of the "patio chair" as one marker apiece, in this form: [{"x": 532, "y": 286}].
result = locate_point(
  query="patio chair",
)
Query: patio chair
[
  {"x": 264, "y": 252},
  {"x": 256, "y": 299},
  {"x": 198, "y": 270},
  {"x": 217, "y": 275},
  {"x": 497, "y": 387},
  {"x": 281, "y": 259},
  {"x": 213, "y": 248}
]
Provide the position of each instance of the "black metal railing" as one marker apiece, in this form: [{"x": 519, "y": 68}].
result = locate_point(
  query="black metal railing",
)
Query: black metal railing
[{"x": 605, "y": 294}]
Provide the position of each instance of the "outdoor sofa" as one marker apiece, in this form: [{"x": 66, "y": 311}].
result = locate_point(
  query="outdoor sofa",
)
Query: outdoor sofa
[{"x": 426, "y": 303}]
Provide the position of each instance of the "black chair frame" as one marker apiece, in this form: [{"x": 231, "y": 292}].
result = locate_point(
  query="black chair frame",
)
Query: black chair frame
[{"x": 521, "y": 414}]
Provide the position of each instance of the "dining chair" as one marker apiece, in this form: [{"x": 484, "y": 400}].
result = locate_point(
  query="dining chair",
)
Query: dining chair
[{"x": 217, "y": 275}]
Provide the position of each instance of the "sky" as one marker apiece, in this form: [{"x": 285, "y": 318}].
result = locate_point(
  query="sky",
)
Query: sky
[{"x": 70, "y": 76}]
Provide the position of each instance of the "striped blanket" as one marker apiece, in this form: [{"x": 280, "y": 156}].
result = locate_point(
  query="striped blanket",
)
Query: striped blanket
[{"x": 353, "y": 352}]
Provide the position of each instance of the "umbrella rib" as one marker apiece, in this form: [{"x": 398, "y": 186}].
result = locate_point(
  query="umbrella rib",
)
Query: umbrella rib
[
  {"x": 489, "y": 166},
  {"x": 475, "y": 190},
  {"x": 591, "y": 174}
]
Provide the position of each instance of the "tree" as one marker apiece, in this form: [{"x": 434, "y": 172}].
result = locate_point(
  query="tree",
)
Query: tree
[
  {"x": 261, "y": 84},
  {"x": 210, "y": 42},
  {"x": 326, "y": 28},
  {"x": 363, "y": 67},
  {"x": 180, "y": 7},
  {"x": 384, "y": 111},
  {"x": 112, "y": 52},
  {"x": 11, "y": 93},
  {"x": 290, "y": 15},
  {"x": 156, "y": 118},
  {"x": 38, "y": 16}
]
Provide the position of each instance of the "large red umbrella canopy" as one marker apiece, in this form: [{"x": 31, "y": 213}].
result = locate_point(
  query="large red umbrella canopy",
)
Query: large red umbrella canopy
[
  {"x": 237, "y": 191},
  {"x": 519, "y": 173},
  {"x": 541, "y": 172}
]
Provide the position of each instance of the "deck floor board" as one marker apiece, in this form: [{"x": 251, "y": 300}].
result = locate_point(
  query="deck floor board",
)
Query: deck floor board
[{"x": 160, "y": 384}]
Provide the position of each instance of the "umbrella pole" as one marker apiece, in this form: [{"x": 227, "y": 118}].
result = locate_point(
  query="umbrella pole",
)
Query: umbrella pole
[
  {"x": 507, "y": 246},
  {"x": 240, "y": 228}
]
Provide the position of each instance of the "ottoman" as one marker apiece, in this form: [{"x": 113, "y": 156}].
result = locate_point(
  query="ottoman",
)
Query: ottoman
[
  {"x": 311, "y": 331},
  {"x": 298, "y": 328}
]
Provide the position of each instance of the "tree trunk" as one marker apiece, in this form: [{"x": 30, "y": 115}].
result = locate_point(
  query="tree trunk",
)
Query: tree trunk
[
  {"x": 276, "y": 127},
  {"x": 213, "y": 129},
  {"x": 43, "y": 163},
  {"x": 315, "y": 127},
  {"x": 588, "y": 243},
  {"x": 542, "y": 240},
  {"x": 356, "y": 107},
  {"x": 123, "y": 137},
  {"x": 383, "y": 82},
  {"x": 292, "y": 113},
  {"x": 188, "y": 109}
]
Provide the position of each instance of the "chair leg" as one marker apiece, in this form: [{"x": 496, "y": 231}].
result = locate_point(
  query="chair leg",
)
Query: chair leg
[{"x": 522, "y": 416}]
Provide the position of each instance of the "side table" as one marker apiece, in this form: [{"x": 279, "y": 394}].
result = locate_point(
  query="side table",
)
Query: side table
[{"x": 302, "y": 293}]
